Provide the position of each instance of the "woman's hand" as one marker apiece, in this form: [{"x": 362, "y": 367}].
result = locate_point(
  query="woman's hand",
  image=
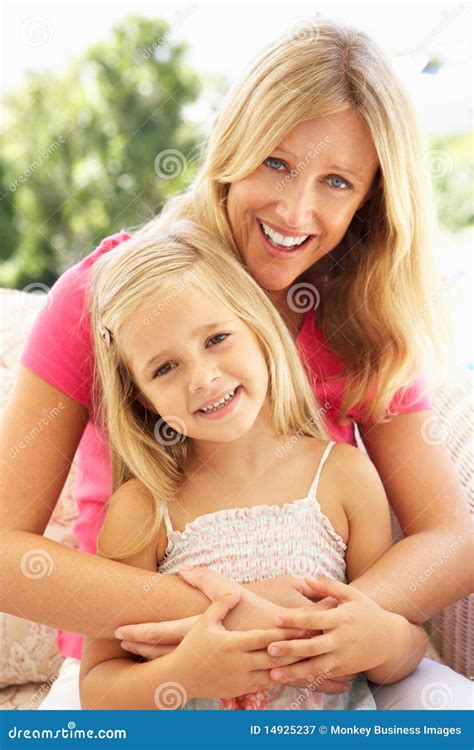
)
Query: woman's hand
[
  {"x": 355, "y": 636},
  {"x": 213, "y": 662}
]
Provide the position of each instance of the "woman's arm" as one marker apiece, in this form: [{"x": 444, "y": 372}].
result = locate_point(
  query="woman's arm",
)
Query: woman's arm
[
  {"x": 81, "y": 593},
  {"x": 431, "y": 567}
]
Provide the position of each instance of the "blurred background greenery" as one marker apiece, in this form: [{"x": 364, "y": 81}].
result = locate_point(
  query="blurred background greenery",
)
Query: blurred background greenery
[{"x": 78, "y": 150}]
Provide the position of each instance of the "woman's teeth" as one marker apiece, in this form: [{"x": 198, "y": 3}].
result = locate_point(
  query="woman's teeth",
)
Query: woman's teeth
[
  {"x": 281, "y": 240},
  {"x": 219, "y": 404}
]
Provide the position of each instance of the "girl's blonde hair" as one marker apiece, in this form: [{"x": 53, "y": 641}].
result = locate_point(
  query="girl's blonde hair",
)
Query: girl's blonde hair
[
  {"x": 161, "y": 262},
  {"x": 382, "y": 313}
]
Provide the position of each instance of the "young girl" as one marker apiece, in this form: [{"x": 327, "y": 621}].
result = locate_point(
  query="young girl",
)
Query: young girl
[{"x": 221, "y": 458}]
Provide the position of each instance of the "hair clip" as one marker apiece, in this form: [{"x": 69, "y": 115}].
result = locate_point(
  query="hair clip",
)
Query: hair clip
[{"x": 105, "y": 334}]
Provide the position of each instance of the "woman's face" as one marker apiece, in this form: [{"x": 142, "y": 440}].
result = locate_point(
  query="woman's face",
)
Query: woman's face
[
  {"x": 310, "y": 186},
  {"x": 188, "y": 350}
]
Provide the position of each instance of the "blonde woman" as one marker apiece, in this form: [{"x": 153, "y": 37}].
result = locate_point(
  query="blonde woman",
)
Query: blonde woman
[
  {"x": 317, "y": 141},
  {"x": 209, "y": 413}
]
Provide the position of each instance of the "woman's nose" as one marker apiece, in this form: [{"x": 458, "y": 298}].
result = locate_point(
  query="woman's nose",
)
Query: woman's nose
[{"x": 297, "y": 205}]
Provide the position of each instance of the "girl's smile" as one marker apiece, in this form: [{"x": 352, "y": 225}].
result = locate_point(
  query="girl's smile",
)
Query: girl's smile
[{"x": 222, "y": 406}]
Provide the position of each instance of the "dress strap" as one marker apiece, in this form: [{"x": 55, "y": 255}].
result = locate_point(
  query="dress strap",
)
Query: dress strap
[
  {"x": 314, "y": 487},
  {"x": 166, "y": 516}
]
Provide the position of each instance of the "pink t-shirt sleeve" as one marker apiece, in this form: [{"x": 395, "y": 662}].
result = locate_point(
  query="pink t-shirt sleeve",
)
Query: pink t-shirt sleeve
[
  {"x": 414, "y": 397},
  {"x": 59, "y": 346}
]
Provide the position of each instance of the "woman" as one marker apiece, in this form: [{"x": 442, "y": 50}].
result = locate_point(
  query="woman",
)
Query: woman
[{"x": 317, "y": 142}]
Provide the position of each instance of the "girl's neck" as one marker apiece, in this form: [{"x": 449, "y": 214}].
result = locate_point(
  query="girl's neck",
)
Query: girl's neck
[{"x": 239, "y": 457}]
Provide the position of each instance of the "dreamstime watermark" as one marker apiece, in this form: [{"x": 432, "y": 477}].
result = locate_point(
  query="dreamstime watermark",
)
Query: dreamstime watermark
[
  {"x": 446, "y": 283},
  {"x": 36, "y": 31},
  {"x": 302, "y": 565},
  {"x": 45, "y": 420},
  {"x": 304, "y": 693},
  {"x": 433, "y": 432},
  {"x": 437, "y": 163},
  {"x": 302, "y": 297},
  {"x": 303, "y": 30},
  {"x": 36, "y": 297},
  {"x": 448, "y": 550},
  {"x": 31, "y": 169},
  {"x": 281, "y": 450},
  {"x": 314, "y": 150},
  {"x": 170, "y": 163},
  {"x": 36, "y": 563},
  {"x": 39, "y": 694},
  {"x": 448, "y": 16},
  {"x": 170, "y": 696},
  {"x": 179, "y": 17},
  {"x": 177, "y": 289},
  {"x": 170, "y": 430},
  {"x": 437, "y": 696}
]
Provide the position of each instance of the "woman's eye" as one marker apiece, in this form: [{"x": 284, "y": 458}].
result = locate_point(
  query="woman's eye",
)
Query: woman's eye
[
  {"x": 339, "y": 183},
  {"x": 274, "y": 163},
  {"x": 162, "y": 370},
  {"x": 218, "y": 336}
]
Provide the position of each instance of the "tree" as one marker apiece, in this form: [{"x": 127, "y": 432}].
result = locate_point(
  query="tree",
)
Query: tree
[{"x": 95, "y": 149}]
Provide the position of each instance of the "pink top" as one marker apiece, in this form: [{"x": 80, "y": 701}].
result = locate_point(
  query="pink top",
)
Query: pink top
[{"x": 59, "y": 349}]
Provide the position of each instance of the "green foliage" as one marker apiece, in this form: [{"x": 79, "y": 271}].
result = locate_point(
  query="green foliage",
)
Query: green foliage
[
  {"x": 79, "y": 150},
  {"x": 453, "y": 180}
]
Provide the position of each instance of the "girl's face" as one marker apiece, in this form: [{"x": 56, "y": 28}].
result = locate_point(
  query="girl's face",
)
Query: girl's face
[
  {"x": 190, "y": 353},
  {"x": 307, "y": 191}
]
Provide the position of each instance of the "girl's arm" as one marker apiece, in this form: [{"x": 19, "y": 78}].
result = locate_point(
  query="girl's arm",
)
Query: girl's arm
[
  {"x": 80, "y": 593},
  {"x": 430, "y": 568},
  {"x": 210, "y": 661}
]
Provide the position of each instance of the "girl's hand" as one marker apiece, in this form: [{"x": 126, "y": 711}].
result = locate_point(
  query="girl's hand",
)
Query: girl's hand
[
  {"x": 213, "y": 662},
  {"x": 154, "y": 639},
  {"x": 355, "y": 636}
]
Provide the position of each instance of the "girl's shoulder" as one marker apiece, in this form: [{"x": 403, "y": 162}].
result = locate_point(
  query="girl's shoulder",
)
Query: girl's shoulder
[{"x": 130, "y": 511}]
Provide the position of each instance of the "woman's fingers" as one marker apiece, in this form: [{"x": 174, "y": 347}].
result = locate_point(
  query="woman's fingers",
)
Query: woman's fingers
[
  {"x": 146, "y": 650},
  {"x": 211, "y": 583},
  {"x": 170, "y": 632},
  {"x": 262, "y": 660}
]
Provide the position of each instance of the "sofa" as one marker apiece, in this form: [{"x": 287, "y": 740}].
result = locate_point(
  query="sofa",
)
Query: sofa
[{"x": 29, "y": 657}]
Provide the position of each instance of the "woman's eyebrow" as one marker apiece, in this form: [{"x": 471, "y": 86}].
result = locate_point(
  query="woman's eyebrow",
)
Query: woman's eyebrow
[
  {"x": 197, "y": 332},
  {"x": 339, "y": 167}
]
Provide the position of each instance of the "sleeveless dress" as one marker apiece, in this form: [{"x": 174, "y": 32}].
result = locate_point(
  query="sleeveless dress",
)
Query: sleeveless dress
[{"x": 266, "y": 541}]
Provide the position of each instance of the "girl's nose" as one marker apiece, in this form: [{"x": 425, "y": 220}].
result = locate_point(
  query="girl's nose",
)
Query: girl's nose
[{"x": 202, "y": 378}]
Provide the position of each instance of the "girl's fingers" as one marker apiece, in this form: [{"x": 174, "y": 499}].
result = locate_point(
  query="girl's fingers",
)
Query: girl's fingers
[
  {"x": 308, "y": 618},
  {"x": 262, "y": 660},
  {"x": 330, "y": 587},
  {"x": 325, "y": 666},
  {"x": 254, "y": 640},
  {"x": 304, "y": 648},
  {"x": 146, "y": 650},
  {"x": 157, "y": 633},
  {"x": 211, "y": 583}
]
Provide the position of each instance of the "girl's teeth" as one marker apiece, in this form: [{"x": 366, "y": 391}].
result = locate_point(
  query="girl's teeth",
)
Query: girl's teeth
[
  {"x": 279, "y": 239},
  {"x": 219, "y": 403}
]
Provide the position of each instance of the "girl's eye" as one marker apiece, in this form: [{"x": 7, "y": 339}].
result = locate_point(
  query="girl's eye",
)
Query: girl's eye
[
  {"x": 273, "y": 163},
  {"x": 339, "y": 183},
  {"x": 217, "y": 336},
  {"x": 162, "y": 370}
]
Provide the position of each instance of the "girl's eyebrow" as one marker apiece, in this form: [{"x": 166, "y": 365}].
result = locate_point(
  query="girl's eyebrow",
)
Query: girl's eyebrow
[{"x": 197, "y": 332}]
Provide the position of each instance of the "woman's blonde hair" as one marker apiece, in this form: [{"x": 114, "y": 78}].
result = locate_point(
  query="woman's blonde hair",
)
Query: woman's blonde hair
[
  {"x": 381, "y": 308},
  {"x": 161, "y": 262}
]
